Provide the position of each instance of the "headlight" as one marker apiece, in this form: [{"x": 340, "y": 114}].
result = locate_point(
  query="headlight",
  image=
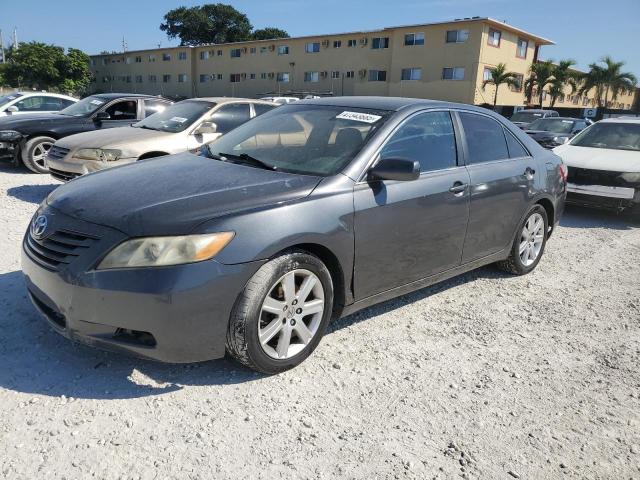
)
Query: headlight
[
  {"x": 631, "y": 177},
  {"x": 10, "y": 135},
  {"x": 560, "y": 140},
  {"x": 100, "y": 154},
  {"x": 163, "y": 251}
]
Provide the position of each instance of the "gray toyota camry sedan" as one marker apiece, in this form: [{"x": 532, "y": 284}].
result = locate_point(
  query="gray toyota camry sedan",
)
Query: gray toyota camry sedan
[{"x": 305, "y": 214}]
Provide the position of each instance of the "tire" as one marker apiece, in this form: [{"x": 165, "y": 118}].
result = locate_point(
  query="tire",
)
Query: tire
[
  {"x": 34, "y": 152},
  {"x": 522, "y": 262},
  {"x": 278, "y": 318}
]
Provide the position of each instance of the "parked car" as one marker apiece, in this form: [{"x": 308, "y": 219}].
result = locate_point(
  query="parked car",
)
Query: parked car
[
  {"x": 183, "y": 126},
  {"x": 280, "y": 100},
  {"x": 553, "y": 131},
  {"x": 523, "y": 118},
  {"x": 306, "y": 213},
  {"x": 28, "y": 138},
  {"x": 19, "y": 103},
  {"x": 604, "y": 165}
]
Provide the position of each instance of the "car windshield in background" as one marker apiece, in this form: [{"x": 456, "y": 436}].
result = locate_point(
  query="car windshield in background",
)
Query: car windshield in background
[
  {"x": 84, "y": 107},
  {"x": 7, "y": 98},
  {"x": 306, "y": 139},
  {"x": 616, "y": 136},
  {"x": 177, "y": 117},
  {"x": 552, "y": 125},
  {"x": 525, "y": 117}
]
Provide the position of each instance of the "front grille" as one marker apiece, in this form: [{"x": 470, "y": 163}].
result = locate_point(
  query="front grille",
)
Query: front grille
[
  {"x": 58, "y": 249},
  {"x": 586, "y": 176},
  {"x": 56, "y": 153},
  {"x": 63, "y": 176}
]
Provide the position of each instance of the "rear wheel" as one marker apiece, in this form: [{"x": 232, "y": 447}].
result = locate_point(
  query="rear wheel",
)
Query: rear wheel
[
  {"x": 528, "y": 246},
  {"x": 34, "y": 153},
  {"x": 282, "y": 313}
]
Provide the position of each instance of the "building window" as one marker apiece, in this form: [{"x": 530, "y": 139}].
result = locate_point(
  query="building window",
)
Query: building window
[
  {"x": 352, "y": 43},
  {"x": 519, "y": 83},
  {"x": 182, "y": 78},
  {"x": 166, "y": 57},
  {"x": 152, "y": 58},
  {"x": 486, "y": 74},
  {"x": 523, "y": 45},
  {"x": 337, "y": 43},
  {"x": 283, "y": 50},
  {"x": 263, "y": 49},
  {"x": 380, "y": 42},
  {"x": 411, "y": 74},
  {"x": 219, "y": 53},
  {"x": 252, "y": 51},
  {"x": 220, "y": 77},
  {"x": 127, "y": 60},
  {"x": 453, "y": 73},
  {"x": 204, "y": 78},
  {"x": 263, "y": 76},
  {"x": 236, "y": 53},
  {"x": 105, "y": 79},
  {"x": 283, "y": 77},
  {"x": 138, "y": 59},
  {"x": 182, "y": 55},
  {"x": 411, "y": 39},
  {"x": 350, "y": 74},
  {"x": 312, "y": 47},
  {"x": 153, "y": 79},
  {"x": 377, "y": 75},
  {"x": 204, "y": 55},
  {"x": 494, "y": 37},
  {"x": 457, "y": 36},
  {"x": 235, "y": 77},
  {"x": 311, "y": 77},
  {"x": 138, "y": 78},
  {"x": 252, "y": 76},
  {"x": 127, "y": 79},
  {"x": 166, "y": 78},
  {"x": 335, "y": 74},
  {"x": 105, "y": 61}
]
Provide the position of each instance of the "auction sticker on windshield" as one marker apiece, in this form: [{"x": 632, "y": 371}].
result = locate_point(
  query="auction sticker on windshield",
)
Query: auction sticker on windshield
[
  {"x": 96, "y": 102},
  {"x": 178, "y": 119},
  {"x": 359, "y": 117}
]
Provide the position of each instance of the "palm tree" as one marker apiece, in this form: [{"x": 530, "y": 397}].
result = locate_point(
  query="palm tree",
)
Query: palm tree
[
  {"x": 607, "y": 78},
  {"x": 499, "y": 75},
  {"x": 540, "y": 75},
  {"x": 563, "y": 76}
]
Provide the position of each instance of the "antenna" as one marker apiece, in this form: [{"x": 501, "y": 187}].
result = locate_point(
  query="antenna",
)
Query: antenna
[{"x": 124, "y": 44}]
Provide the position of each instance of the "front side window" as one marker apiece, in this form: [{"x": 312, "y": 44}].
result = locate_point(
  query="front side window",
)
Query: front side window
[
  {"x": 38, "y": 104},
  {"x": 411, "y": 74},
  {"x": 153, "y": 106},
  {"x": 426, "y": 137},
  {"x": 313, "y": 47},
  {"x": 306, "y": 139},
  {"x": 124, "y": 110},
  {"x": 494, "y": 37},
  {"x": 380, "y": 42},
  {"x": 453, "y": 73},
  {"x": 457, "y": 36},
  {"x": 616, "y": 136},
  {"x": 231, "y": 116},
  {"x": 175, "y": 118},
  {"x": 485, "y": 138}
]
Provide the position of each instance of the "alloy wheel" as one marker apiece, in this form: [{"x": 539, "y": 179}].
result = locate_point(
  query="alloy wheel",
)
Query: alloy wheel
[
  {"x": 40, "y": 152},
  {"x": 531, "y": 239}
]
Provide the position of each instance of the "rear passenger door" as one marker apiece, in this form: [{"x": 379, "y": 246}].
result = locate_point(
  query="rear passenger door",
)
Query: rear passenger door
[{"x": 502, "y": 174}]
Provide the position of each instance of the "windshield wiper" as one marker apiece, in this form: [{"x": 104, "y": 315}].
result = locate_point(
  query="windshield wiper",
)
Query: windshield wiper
[{"x": 244, "y": 158}]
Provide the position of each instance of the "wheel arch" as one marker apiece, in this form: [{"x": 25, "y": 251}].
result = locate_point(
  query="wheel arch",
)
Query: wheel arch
[{"x": 547, "y": 204}]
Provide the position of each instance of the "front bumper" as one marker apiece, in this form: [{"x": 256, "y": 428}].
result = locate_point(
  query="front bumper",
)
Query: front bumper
[
  {"x": 63, "y": 166},
  {"x": 173, "y": 314},
  {"x": 603, "y": 196}
]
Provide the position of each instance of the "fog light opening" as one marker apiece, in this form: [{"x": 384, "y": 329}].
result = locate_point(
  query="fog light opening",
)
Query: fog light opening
[{"x": 135, "y": 337}]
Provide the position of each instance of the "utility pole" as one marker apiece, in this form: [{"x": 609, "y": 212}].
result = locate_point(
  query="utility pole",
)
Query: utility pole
[
  {"x": 124, "y": 44},
  {"x": 15, "y": 38},
  {"x": 2, "y": 60}
]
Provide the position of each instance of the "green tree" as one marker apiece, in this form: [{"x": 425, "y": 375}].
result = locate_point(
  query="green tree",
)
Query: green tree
[
  {"x": 269, "y": 33},
  {"x": 563, "y": 76},
  {"x": 608, "y": 80},
  {"x": 540, "y": 75},
  {"x": 499, "y": 76},
  {"x": 76, "y": 72},
  {"x": 210, "y": 23}
]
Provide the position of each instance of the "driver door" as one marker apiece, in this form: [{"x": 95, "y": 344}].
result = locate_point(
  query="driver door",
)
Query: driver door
[{"x": 121, "y": 113}]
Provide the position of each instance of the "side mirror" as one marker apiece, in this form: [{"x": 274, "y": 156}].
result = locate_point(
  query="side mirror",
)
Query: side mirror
[
  {"x": 206, "y": 127},
  {"x": 395, "y": 169},
  {"x": 100, "y": 116},
  {"x": 12, "y": 109}
]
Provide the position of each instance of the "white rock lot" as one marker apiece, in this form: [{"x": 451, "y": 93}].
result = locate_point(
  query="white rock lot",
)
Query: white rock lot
[{"x": 486, "y": 376}]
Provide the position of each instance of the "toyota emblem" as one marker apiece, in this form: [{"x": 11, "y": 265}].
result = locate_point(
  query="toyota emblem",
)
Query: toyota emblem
[{"x": 39, "y": 226}]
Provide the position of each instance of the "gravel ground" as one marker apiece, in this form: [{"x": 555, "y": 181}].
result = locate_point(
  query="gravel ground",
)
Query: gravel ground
[{"x": 485, "y": 376}]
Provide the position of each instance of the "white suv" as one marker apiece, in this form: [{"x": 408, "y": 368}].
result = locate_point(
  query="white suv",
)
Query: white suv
[{"x": 33, "y": 102}]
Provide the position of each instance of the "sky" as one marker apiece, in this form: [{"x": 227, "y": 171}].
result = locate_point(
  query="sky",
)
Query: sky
[{"x": 583, "y": 30}]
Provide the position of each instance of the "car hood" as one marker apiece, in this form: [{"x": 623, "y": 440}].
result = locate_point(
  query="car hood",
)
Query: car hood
[
  {"x": 111, "y": 137},
  {"x": 13, "y": 122},
  {"x": 171, "y": 195},
  {"x": 599, "y": 158}
]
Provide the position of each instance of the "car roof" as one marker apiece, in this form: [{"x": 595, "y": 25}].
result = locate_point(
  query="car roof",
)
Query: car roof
[
  {"x": 386, "y": 103},
  {"x": 226, "y": 100},
  {"x": 620, "y": 120},
  {"x": 130, "y": 95},
  {"x": 573, "y": 119},
  {"x": 535, "y": 110},
  {"x": 59, "y": 95}
]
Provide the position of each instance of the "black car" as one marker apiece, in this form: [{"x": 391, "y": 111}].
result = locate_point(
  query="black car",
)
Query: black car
[
  {"x": 309, "y": 212},
  {"x": 551, "y": 132},
  {"x": 27, "y": 138}
]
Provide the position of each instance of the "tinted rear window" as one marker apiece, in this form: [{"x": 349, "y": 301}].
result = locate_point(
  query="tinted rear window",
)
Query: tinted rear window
[{"x": 485, "y": 138}]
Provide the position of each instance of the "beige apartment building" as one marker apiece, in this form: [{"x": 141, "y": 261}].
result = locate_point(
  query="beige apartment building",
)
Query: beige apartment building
[{"x": 444, "y": 60}]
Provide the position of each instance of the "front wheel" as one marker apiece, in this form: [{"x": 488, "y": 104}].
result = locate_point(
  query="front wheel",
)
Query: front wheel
[
  {"x": 34, "y": 153},
  {"x": 528, "y": 246},
  {"x": 282, "y": 313}
]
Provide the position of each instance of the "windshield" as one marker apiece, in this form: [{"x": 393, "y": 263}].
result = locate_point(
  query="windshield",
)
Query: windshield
[
  {"x": 307, "y": 139},
  {"x": 84, "y": 107},
  {"x": 176, "y": 117},
  {"x": 552, "y": 125},
  {"x": 616, "y": 136},
  {"x": 7, "y": 98},
  {"x": 525, "y": 117}
]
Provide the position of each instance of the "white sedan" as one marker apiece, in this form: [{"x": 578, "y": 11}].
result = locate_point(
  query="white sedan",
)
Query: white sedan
[
  {"x": 604, "y": 165},
  {"x": 33, "y": 102}
]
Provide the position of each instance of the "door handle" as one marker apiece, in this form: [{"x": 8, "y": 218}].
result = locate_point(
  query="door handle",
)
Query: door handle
[{"x": 458, "y": 188}]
